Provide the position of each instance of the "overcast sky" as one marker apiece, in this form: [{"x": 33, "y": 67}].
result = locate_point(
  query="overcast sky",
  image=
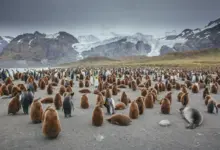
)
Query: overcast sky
[{"x": 95, "y": 16}]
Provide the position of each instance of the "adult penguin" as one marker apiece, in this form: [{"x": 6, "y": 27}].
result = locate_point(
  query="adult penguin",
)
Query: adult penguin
[
  {"x": 26, "y": 100},
  {"x": 68, "y": 105}
]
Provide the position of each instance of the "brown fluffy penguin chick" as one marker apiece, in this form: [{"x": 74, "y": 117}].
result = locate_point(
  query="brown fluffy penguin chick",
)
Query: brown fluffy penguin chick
[
  {"x": 97, "y": 116},
  {"x": 122, "y": 86},
  {"x": 184, "y": 89},
  {"x": 205, "y": 92},
  {"x": 84, "y": 103},
  {"x": 214, "y": 89},
  {"x": 71, "y": 83},
  {"x": 4, "y": 90},
  {"x": 47, "y": 100},
  {"x": 51, "y": 124},
  {"x": 86, "y": 91},
  {"x": 195, "y": 88},
  {"x": 129, "y": 84},
  {"x": 14, "y": 105},
  {"x": 154, "y": 96},
  {"x": 144, "y": 92},
  {"x": 46, "y": 80},
  {"x": 30, "y": 79},
  {"x": 108, "y": 93},
  {"x": 87, "y": 83},
  {"x": 133, "y": 85},
  {"x": 42, "y": 84},
  {"x": 124, "y": 98},
  {"x": 114, "y": 90},
  {"x": 138, "y": 81},
  {"x": 149, "y": 101},
  {"x": 10, "y": 86},
  {"x": 35, "y": 86},
  {"x": 140, "y": 103},
  {"x": 185, "y": 99},
  {"x": 36, "y": 111},
  {"x": 81, "y": 84},
  {"x": 120, "y": 106},
  {"x": 180, "y": 94},
  {"x": 207, "y": 98},
  {"x": 62, "y": 82},
  {"x": 178, "y": 86},
  {"x": 50, "y": 89},
  {"x": 118, "y": 81},
  {"x": 141, "y": 85},
  {"x": 211, "y": 106},
  {"x": 58, "y": 101},
  {"x": 55, "y": 80},
  {"x": 22, "y": 87},
  {"x": 169, "y": 87},
  {"x": 120, "y": 119},
  {"x": 162, "y": 87},
  {"x": 15, "y": 90},
  {"x": 156, "y": 86},
  {"x": 39, "y": 81},
  {"x": 100, "y": 86},
  {"x": 165, "y": 106},
  {"x": 62, "y": 90},
  {"x": 169, "y": 97},
  {"x": 100, "y": 100},
  {"x": 134, "y": 111},
  {"x": 69, "y": 89}
]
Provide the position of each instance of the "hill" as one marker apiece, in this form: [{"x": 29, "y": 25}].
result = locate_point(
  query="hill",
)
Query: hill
[
  {"x": 196, "y": 58},
  {"x": 91, "y": 61}
]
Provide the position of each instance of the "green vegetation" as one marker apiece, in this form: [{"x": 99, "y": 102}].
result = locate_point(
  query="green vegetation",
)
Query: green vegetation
[{"x": 196, "y": 58}]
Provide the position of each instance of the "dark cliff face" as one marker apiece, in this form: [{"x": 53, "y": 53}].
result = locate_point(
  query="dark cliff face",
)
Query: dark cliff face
[
  {"x": 119, "y": 49},
  {"x": 165, "y": 49},
  {"x": 38, "y": 46}
]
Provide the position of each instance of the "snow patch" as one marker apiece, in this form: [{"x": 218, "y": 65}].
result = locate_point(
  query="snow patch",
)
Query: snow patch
[
  {"x": 52, "y": 36},
  {"x": 30, "y": 42},
  {"x": 20, "y": 41},
  {"x": 6, "y": 39},
  {"x": 156, "y": 45}
]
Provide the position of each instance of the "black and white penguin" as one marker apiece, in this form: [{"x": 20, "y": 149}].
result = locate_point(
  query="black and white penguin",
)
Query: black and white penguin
[
  {"x": 26, "y": 100},
  {"x": 192, "y": 116},
  {"x": 68, "y": 105}
]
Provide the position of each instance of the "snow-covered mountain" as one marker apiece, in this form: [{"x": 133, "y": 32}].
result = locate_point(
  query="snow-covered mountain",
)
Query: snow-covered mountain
[
  {"x": 87, "y": 39},
  {"x": 196, "y": 39},
  {"x": 122, "y": 42},
  {"x": 40, "y": 47},
  {"x": 63, "y": 47},
  {"x": 4, "y": 41}
]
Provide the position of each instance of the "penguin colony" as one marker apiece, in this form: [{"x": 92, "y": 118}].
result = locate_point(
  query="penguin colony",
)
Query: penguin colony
[{"x": 60, "y": 91}]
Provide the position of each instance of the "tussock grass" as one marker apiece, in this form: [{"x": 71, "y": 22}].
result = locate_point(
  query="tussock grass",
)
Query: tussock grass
[{"x": 189, "y": 59}]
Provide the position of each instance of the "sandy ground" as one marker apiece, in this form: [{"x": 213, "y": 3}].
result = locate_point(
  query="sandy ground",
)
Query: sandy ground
[{"x": 18, "y": 133}]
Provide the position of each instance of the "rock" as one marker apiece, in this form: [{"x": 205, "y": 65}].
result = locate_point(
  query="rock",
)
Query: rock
[
  {"x": 164, "y": 123},
  {"x": 165, "y": 49}
]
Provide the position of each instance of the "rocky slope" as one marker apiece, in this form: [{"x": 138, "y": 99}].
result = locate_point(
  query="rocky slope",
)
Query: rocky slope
[
  {"x": 197, "y": 39},
  {"x": 4, "y": 41},
  {"x": 41, "y": 47},
  {"x": 118, "y": 49},
  {"x": 88, "y": 39}
]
